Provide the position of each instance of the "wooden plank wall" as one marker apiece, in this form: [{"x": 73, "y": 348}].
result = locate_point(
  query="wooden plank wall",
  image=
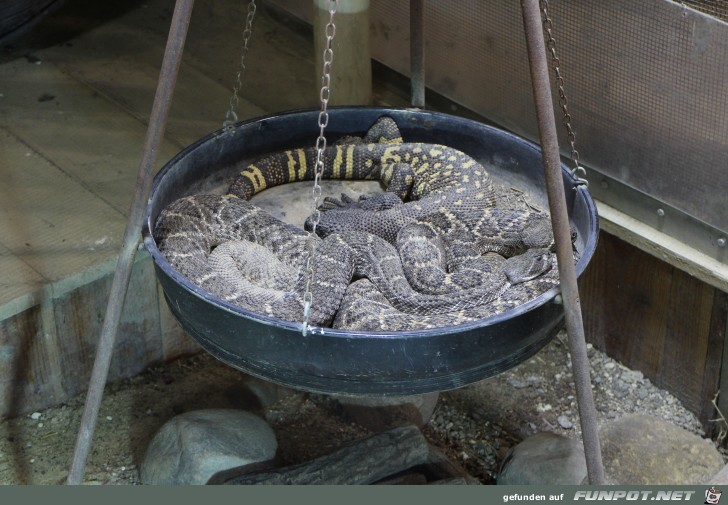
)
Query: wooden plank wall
[
  {"x": 47, "y": 351},
  {"x": 657, "y": 319}
]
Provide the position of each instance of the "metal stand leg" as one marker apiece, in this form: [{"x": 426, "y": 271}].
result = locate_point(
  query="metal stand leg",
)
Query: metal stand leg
[
  {"x": 155, "y": 133},
  {"x": 562, "y": 235}
]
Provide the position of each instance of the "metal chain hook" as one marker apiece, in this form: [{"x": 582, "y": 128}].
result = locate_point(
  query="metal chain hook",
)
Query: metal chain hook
[
  {"x": 578, "y": 171},
  {"x": 323, "y": 121},
  {"x": 230, "y": 116}
]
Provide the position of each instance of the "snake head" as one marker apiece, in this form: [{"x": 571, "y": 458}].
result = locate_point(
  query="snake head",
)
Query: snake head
[
  {"x": 528, "y": 266},
  {"x": 537, "y": 233}
]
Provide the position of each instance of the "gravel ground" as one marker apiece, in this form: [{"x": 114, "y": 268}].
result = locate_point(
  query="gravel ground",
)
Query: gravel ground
[
  {"x": 478, "y": 424},
  {"x": 475, "y": 425}
]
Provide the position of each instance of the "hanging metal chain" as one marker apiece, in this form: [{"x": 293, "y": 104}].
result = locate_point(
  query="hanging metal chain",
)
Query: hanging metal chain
[
  {"x": 231, "y": 117},
  {"x": 578, "y": 171},
  {"x": 323, "y": 121}
]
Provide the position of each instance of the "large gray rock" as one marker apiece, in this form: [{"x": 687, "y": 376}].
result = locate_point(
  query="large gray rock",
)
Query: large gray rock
[
  {"x": 544, "y": 458},
  {"x": 380, "y": 413},
  {"x": 191, "y": 447},
  {"x": 640, "y": 449}
]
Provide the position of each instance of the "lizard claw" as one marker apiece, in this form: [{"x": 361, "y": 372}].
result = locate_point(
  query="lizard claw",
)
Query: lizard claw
[{"x": 346, "y": 202}]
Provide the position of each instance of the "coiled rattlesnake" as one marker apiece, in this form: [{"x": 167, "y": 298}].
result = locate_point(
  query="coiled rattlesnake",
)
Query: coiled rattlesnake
[{"x": 430, "y": 250}]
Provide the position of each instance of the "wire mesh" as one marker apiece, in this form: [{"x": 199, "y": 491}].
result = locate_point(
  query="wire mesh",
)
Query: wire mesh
[
  {"x": 647, "y": 84},
  {"x": 715, "y": 8}
]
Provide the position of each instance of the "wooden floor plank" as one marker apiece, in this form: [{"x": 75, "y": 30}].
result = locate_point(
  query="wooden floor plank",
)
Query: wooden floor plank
[
  {"x": 91, "y": 139},
  {"x": 280, "y": 73},
  {"x": 127, "y": 73},
  {"x": 47, "y": 219}
]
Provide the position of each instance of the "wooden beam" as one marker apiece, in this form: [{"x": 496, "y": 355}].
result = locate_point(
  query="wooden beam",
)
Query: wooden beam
[{"x": 362, "y": 462}]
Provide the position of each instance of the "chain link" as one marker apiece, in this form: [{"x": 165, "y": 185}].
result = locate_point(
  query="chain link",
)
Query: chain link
[
  {"x": 231, "y": 117},
  {"x": 578, "y": 171},
  {"x": 323, "y": 121}
]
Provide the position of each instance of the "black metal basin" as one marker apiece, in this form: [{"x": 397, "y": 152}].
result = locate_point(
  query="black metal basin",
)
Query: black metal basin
[{"x": 358, "y": 363}]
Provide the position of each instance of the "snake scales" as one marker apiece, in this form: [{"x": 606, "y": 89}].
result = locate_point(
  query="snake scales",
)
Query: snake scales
[{"x": 434, "y": 250}]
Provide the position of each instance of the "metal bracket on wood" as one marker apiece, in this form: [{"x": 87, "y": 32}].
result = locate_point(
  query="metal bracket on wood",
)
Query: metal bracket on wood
[
  {"x": 562, "y": 236},
  {"x": 132, "y": 233}
]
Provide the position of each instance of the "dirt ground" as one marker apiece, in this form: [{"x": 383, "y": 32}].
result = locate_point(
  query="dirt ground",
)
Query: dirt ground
[{"x": 474, "y": 426}]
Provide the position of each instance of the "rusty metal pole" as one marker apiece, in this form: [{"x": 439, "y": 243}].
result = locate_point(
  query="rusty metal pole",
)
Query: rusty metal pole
[
  {"x": 417, "y": 53},
  {"x": 155, "y": 133},
  {"x": 562, "y": 236}
]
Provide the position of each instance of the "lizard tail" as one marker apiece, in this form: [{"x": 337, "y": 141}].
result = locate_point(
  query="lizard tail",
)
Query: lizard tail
[{"x": 347, "y": 161}]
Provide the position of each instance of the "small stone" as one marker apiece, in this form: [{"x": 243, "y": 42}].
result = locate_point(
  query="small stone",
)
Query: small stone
[
  {"x": 620, "y": 393},
  {"x": 544, "y": 459},
  {"x": 590, "y": 351},
  {"x": 109, "y": 418},
  {"x": 609, "y": 365},
  {"x": 515, "y": 383},
  {"x": 621, "y": 386},
  {"x": 192, "y": 447},
  {"x": 565, "y": 423},
  {"x": 35, "y": 416},
  {"x": 632, "y": 376},
  {"x": 533, "y": 381}
]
